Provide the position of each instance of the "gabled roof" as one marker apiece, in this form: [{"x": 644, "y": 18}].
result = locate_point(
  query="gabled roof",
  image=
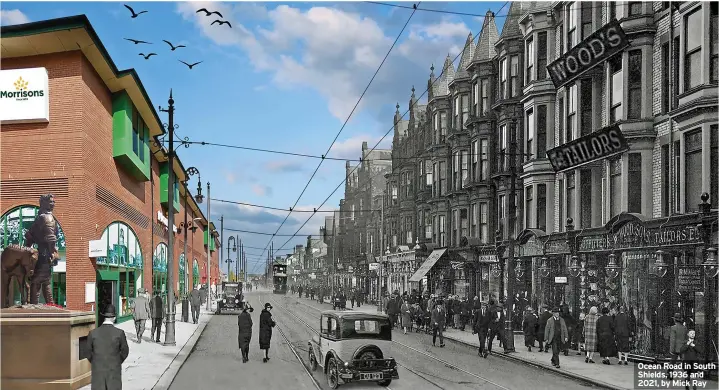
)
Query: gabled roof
[
  {"x": 487, "y": 39},
  {"x": 441, "y": 86},
  {"x": 516, "y": 10},
  {"x": 466, "y": 58}
]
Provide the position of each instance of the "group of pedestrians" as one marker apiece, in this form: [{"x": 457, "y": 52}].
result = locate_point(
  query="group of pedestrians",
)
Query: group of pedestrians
[{"x": 244, "y": 334}]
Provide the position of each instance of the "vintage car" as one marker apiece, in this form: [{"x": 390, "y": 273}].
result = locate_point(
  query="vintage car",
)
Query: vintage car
[
  {"x": 352, "y": 347},
  {"x": 338, "y": 302},
  {"x": 231, "y": 297}
]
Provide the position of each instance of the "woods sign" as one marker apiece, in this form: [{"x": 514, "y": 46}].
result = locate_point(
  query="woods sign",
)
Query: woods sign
[{"x": 597, "y": 48}]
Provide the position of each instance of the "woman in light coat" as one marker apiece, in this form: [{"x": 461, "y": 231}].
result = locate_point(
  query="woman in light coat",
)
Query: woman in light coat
[
  {"x": 590, "y": 334},
  {"x": 406, "y": 316}
]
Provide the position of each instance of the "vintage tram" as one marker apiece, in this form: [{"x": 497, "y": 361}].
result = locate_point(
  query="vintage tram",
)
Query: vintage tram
[{"x": 279, "y": 278}]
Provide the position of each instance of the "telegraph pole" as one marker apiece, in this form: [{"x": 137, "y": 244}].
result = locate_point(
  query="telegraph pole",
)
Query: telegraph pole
[
  {"x": 508, "y": 341},
  {"x": 170, "y": 288},
  {"x": 237, "y": 263},
  {"x": 209, "y": 243},
  {"x": 222, "y": 238}
]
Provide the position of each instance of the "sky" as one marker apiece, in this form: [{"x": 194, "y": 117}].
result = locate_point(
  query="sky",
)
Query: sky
[{"x": 284, "y": 77}]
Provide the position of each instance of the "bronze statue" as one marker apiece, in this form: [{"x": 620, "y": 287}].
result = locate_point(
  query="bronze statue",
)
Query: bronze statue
[
  {"x": 19, "y": 262},
  {"x": 43, "y": 232}
]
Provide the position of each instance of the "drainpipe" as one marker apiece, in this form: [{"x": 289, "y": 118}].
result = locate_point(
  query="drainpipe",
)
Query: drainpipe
[{"x": 672, "y": 158}]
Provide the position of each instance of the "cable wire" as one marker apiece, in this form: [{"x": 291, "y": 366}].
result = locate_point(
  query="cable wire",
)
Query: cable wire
[
  {"x": 281, "y": 209},
  {"x": 385, "y": 135},
  {"x": 347, "y": 120},
  {"x": 432, "y": 10}
]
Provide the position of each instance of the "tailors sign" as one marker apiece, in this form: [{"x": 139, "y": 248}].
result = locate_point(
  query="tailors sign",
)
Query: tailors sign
[
  {"x": 597, "y": 48},
  {"x": 600, "y": 144}
]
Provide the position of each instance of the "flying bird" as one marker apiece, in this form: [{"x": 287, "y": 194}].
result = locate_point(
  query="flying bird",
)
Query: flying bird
[
  {"x": 173, "y": 47},
  {"x": 135, "y": 41},
  {"x": 221, "y": 22},
  {"x": 208, "y": 13},
  {"x": 147, "y": 57},
  {"x": 134, "y": 15},
  {"x": 190, "y": 65}
]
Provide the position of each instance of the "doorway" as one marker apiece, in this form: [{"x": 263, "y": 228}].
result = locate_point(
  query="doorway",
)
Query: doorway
[{"x": 107, "y": 292}]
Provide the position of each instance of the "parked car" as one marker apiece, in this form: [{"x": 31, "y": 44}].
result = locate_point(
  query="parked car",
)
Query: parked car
[
  {"x": 353, "y": 347},
  {"x": 231, "y": 298},
  {"x": 338, "y": 302}
]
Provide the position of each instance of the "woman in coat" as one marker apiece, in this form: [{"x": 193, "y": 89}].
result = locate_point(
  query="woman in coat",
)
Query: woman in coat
[
  {"x": 244, "y": 325},
  {"x": 623, "y": 331},
  {"x": 579, "y": 333},
  {"x": 530, "y": 326},
  {"x": 266, "y": 325},
  {"x": 590, "y": 334},
  {"x": 605, "y": 336},
  {"x": 406, "y": 316}
]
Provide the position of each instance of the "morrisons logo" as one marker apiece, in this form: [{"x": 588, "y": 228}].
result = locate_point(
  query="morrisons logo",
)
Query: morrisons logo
[{"x": 21, "y": 91}]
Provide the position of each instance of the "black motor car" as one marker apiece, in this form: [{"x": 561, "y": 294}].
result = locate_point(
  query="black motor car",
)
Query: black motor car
[{"x": 231, "y": 297}]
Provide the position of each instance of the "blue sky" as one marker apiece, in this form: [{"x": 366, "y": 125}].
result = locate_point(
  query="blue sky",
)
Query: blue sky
[{"x": 284, "y": 77}]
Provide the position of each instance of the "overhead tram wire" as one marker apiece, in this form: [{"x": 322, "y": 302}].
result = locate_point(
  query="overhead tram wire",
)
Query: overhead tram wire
[
  {"x": 281, "y": 209},
  {"x": 380, "y": 140},
  {"x": 270, "y": 234},
  {"x": 439, "y": 11},
  {"x": 348, "y": 118}
]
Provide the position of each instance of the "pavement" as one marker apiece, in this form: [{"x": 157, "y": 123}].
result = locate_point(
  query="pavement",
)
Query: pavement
[
  {"x": 573, "y": 366},
  {"x": 153, "y": 366}
]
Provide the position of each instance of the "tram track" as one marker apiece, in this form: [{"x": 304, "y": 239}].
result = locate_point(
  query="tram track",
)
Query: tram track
[{"x": 293, "y": 349}]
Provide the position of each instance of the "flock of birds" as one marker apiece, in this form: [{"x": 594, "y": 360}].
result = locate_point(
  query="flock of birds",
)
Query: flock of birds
[{"x": 173, "y": 47}]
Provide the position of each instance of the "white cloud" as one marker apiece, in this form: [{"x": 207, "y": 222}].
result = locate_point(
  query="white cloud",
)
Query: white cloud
[
  {"x": 351, "y": 148},
  {"x": 333, "y": 51},
  {"x": 13, "y": 16}
]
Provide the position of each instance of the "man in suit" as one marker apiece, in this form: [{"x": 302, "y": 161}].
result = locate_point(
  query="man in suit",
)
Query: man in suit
[
  {"x": 107, "y": 351},
  {"x": 195, "y": 302},
  {"x": 482, "y": 318},
  {"x": 140, "y": 313},
  {"x": 438, "y": 318},
  {"x": 556, "y": 334},
  {"x": 156, "y": 312},
  {"x": 677, "y": 338}
]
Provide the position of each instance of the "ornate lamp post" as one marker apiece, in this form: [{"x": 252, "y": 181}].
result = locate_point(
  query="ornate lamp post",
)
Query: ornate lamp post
[
  {"x": 613, "y": 269},
  {"x": 711, "y": 270},
  {"x": 184, "y": 227},
  {"x": 229, "y": 258},
  {"x": 544, "y": 269}
]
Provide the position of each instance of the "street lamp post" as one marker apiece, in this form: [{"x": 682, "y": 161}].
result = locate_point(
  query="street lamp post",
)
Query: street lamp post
[
  {"x": 209, "y": 243},
  {"x": 185, "y": 226},
  {"x": 711, "y": 270},
  {"x": 237, "y": 262},
  {"x": 170, "y": 311},
  {"x": 234, "y": 249}
]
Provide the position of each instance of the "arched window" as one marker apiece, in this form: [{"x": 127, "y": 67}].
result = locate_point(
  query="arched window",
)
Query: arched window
[
  {"x": 13, "y": 226},
  {"x": 120, "y": 272},
  {"x": 183, "y": 274},
  {"x": 159, "y": 269},
  {"x": 195, "y": 273}
]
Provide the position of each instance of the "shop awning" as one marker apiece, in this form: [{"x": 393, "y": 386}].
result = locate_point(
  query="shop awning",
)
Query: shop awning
[{"x": 427, "y": 265}]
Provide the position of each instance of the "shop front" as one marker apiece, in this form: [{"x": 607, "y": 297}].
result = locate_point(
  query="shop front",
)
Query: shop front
[
  {"x": 541, "y": 270},
  {"x": 159, "y": 269},
  {"x": 13, "y": 224},
  {"x": 119, "y": 274},
  {"x": 487, "y": 274},
  {"x": 182, "y": 270}
]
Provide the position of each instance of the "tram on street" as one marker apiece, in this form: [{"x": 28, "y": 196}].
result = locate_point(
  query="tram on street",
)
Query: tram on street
[{"x": 279, "y": 278}]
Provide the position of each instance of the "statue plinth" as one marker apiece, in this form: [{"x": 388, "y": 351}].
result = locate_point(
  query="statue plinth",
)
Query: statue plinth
[{"x": 44, "y": 347}]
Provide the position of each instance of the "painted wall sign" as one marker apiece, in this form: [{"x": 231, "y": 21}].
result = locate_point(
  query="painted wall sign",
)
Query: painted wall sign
[
  {"x": 487, "y": 258},
  {"x": 690, "y": 279},
  {"x": 560, "y": 279},
  {"x": 97, "y": 248},
  {"x": 635, "y": 235},
  {"x": 597, "y": 48},
  {"x": 24, "y": 95},
  {"x": 594, "y": 146},
  {"x": 456, "y": 265}
]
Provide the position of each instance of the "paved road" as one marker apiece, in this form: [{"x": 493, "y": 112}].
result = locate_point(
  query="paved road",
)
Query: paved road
[{"x": 216, "y": 361}]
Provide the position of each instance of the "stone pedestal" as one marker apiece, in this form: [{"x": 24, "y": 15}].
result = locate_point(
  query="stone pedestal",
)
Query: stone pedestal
[{"x": 44, "y": 348}]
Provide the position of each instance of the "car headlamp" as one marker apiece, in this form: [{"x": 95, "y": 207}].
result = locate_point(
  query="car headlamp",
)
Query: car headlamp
[{"x": 224, "y": 301}]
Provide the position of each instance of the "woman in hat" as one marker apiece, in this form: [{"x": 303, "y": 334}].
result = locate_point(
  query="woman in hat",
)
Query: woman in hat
[
  {"x": 266, "y": 325},
  {"x": 590, "y": 334},
  {"x": 605, "y": 336},
  {"x": 244, "y": 335},
  {"x": 530, "y": 326}
]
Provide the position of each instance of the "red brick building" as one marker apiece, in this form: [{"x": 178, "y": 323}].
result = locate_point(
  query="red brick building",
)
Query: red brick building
[{"x": 86, "y": 133}]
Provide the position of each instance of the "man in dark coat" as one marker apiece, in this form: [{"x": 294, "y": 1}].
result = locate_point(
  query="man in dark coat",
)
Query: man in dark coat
[
  {"x": 107, "y": 351},
  {"x": 571, "y": 323},
  {"x": 438, "y": 319},
  {"x": 543, "y": 318},
  {"x": 244, "y": 334},
  {"x": 195, "y": 302},
  {"x": 530, "y": 326},
  {"x": 482, "y": 318},
  {"x": 496, "y": 324},
  {"x": 605, "y": 336},
  {"x": 157, "y": 310},
  {"x": 677, "y": 337},
  {"x": 623, "y": 330},
  {"x": 266, "y": 325}
]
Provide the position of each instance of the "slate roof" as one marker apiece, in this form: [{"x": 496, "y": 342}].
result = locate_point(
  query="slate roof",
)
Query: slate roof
[
  {"x": 516, "y": 10},
  {"x": 441, "y": 87},
  {"x": 487, "y": 38},
  {"x": 466, "y": 58}
]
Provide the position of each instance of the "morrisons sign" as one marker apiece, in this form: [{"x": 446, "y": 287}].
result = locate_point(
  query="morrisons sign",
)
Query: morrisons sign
[
  {"x": 597, "y": 145},
  {"x": 597, "y": 48}
]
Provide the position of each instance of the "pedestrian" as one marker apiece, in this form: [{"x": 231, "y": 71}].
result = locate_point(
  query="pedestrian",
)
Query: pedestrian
[
  {"x": 623, "y": 331},
  {"x": 266, "y": 325},
  {"x": 677, "y": 337},
  {"x": 543, "y": 318},
  {"x": 496, "y": 325},
  {"x": 482, "y": 318},
  {"x": 438, "y": 322},
  {"x": 406, "y": 316},
  {"x": 605, "y": 336},
  {"x": 530, "y": 326},
  {"x": 579, "y": 333},
  {"x": 690, "y": 354},
  {"x": 108, "y": 349},
  {"x": 156, "y": 312},
  {"x": 571, "y": 323},
  {"x": 244, "y": 331},
  {"x": 203, "y": 296},
  {"x": 195, "y": 302},
  {"x": 590, "y": 334},
  {"x": 140, "y": 313},
  {"x": 352, "y": 298},
  {"x": 457, "y": 312},
  {"x": 555, "y": 333},
  {"x": 476, "y": 305}
]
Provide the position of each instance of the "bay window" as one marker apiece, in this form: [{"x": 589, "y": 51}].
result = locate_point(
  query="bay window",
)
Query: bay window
[
  {"x": 435, "y": 188},
  {"x": 571, "y": 112},
  {"x": 514, "y": 76},
  {"x": 570, "y": 195},
  {"x": 428, "y": 171},
  {"x": 435, "y": 127},
  {"x": 530, "y": 135},
  {"x": 485, "y": 96},
  {"x": 634, "y": 102},
  {"x": 503, "y": 78},
  {"x": 692, "y": 165},
  {"x": 484, "y": 222},
  {"x": 694, "y": 36},
  {"x": 530, "y": 59},
  {"x": 475, "y": 219},
  {"x": 427, "y": 225},
  {"x": 457, "y": 109},
  {"x": 502, "y": 148},
  {"x": 541, "y": 132},
  {"x": 455, "y": 227},
  {"x": 442, "y": 126},
  {"x": 615, "y": 186},
  {"x": 465, "y": 111},
  {"x": 616, "y": 97},
  {"x": 528, "y": 199},
  {"x": 475, "y": 98},
  {"x": 442, "y": 178},
  {"x": 442, "y": 233},
  {"x": 542, "y": 55},
  {"x": 634, "y": 181},
  {"x": 455, "y": 171},
  {"x": 572, "y": 25},
  {"x": 501, "y": 210},
  {"x": 463, "y": 225},
  {"x": 465, "y": 167},
  {"x": 542, "y": 207},
  {"x": 475, "y": 160},
  {"x": 483, "y": 159}
]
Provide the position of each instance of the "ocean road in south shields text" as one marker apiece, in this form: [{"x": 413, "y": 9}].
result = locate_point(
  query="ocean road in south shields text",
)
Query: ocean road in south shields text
[{"x": 599, "y": 144}]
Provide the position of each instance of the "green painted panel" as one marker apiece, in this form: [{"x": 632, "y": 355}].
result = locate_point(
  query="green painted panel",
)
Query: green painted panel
[
  {"x": 135, "y": 163},
  {"x": 212, "y": 241},
  {"x": 164, "y": 173}
]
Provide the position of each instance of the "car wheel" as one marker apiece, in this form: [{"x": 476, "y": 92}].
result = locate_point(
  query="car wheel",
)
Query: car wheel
[
  {"x": 332, "y": 374},
  {"x": 385, "y": 382},
  {"x": 313, "y": 360}
]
